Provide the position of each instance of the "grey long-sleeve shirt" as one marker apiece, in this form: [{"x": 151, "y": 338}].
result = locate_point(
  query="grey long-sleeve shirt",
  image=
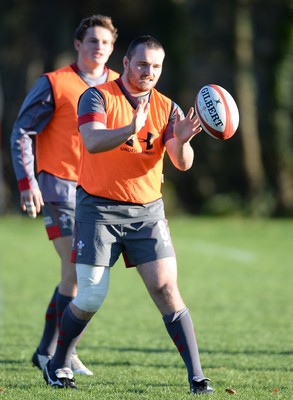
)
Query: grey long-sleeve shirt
[{"x": 35, "y": 113}]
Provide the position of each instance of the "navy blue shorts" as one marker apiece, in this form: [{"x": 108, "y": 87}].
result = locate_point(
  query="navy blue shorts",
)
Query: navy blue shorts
[{"x": 138, "y": 242}]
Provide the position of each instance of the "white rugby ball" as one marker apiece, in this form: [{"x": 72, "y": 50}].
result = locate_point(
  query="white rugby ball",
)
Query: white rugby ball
[{"x": 217, "y": 111}]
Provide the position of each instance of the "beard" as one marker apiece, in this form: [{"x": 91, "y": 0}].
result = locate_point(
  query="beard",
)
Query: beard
[{"x": 143, "y": 83}]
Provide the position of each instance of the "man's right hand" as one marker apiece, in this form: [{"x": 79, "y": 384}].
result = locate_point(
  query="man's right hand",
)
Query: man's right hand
[
  {"x": 31, "y": 201},
  {"x": 140, "y": 116}
]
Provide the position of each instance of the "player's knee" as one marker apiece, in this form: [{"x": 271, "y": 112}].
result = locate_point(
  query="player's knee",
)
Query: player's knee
[
  {"x": 164, "y": 291},
  {"x": 90, "y": 300},
  {"x": 93, "y": 284}
]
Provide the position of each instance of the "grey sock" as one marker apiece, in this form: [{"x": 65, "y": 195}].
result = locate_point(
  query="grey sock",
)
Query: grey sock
[{"x": 180, "y": 328}]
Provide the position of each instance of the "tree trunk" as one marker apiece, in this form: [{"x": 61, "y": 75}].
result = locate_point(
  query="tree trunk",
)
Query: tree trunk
[
  {"x": 283, "y": 129},
  {"x": 2, "y": 184},
  {"x": 246, "y": 94}
]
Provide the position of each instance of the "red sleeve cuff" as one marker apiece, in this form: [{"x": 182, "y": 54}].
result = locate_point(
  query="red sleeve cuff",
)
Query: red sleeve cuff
[
  {"x": 91, "y": 117},
  {"x": 24, "y": 184}
]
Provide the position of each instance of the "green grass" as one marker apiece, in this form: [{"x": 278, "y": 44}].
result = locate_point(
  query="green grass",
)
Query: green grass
[{"x": 236, "y": 277}]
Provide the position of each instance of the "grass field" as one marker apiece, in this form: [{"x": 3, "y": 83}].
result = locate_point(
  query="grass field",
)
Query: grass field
[{"x": 236, "y": 277}]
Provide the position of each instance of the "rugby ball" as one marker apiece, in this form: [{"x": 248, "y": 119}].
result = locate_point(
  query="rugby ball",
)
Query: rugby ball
[{"x": 217, "y": 111}]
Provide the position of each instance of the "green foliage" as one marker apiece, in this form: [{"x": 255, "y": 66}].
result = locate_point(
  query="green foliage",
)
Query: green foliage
[
  {"x": 200, "y": 44},
  {"x": 236, "y": 278}
]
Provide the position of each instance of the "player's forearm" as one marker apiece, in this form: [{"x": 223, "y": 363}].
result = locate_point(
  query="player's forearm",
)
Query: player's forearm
[
  {"x": 101, "y": 140},
  {"x": 184, "y": 157},
  {"x": 23, "y": 160},
  {"x": 181, "y": 155}
]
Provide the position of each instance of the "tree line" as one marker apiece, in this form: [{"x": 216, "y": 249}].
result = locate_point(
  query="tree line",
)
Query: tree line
[{"x": 244, "y": 46}]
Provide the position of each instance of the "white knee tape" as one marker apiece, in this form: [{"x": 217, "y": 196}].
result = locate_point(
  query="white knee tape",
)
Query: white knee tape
[{"x": 93, "y": 285}]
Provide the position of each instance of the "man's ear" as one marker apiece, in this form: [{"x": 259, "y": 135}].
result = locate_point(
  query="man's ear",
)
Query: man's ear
[
  {"x": 125, "y": 62},
  {"x": 76, "y": 44}
]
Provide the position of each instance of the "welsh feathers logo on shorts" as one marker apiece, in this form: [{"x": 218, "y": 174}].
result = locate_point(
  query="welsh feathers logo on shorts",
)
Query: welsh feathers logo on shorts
[
  {"x": 65, "y": 221},
  {"x": 80, "y": 246}
]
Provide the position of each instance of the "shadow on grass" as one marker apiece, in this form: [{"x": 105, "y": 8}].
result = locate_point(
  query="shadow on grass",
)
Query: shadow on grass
[
  {"x": 270, "y": 366},
  {"x": 14, "y": 363},
  {"x": 158, "y": 350}
]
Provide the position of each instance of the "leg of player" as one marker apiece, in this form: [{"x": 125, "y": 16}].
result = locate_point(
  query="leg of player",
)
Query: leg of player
[
  {"x": 63, "y": 295},
  {"x": 93, "y": 284},
  {"x": 160, "y": 278},
  {"x": 67, "y": 290},
  {"x": 48, "y": 341},
  {"x": 68, "y": 284}
]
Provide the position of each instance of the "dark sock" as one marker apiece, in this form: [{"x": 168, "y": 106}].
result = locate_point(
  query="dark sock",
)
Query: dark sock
[
  {"x": 180, "y": 328},
  {"x": 62, "y": 302},
  {"x": 70, "y": 330},
  {"x": 48, "y": 341}
]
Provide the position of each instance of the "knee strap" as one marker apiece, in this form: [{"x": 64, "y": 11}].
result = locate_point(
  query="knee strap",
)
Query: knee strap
[{"x": 92, "y": 286}]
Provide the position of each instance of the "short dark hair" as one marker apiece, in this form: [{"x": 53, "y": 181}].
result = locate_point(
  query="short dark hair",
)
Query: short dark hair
[
  {"x": 95, "y": 20},
  {"x": 146, "y": 40}
]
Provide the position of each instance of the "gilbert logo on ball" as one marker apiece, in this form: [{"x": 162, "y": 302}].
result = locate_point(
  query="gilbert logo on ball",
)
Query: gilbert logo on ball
[{"x": 217, "y": 111}]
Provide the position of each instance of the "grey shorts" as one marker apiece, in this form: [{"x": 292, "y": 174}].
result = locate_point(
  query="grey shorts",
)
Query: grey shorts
[
  {"x": 58, "y": 219},
  {"x": 139, "y": 242}
]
